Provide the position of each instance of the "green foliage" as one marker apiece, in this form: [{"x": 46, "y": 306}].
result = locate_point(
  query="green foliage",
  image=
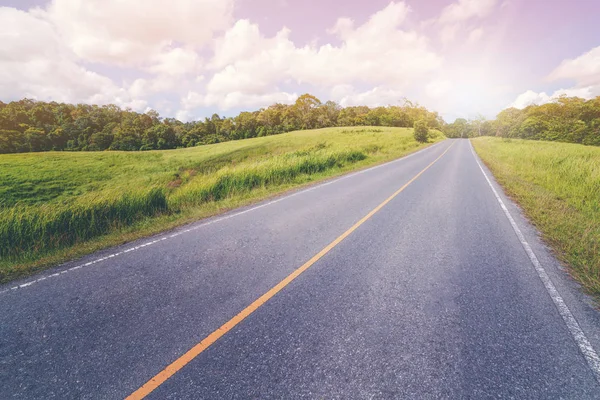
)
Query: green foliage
[
  {"x": 31, "y": 126},
  {"x": 12, "y": 142},
  {"x": 567, "y": 119},
  {"x": 457, "y": 129},
  {"x": 52, "y": 201},
  {"x": 421, "y": 131},
  {"x": 558, "y": 186}
]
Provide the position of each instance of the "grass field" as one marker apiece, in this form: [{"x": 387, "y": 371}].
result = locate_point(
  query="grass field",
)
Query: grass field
[
  {"x": 57, "y": 205},
  {"x": 558, "y": 187}
]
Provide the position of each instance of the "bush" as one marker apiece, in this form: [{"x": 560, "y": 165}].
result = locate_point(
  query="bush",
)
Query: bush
[{"x": 421, "y": 131}]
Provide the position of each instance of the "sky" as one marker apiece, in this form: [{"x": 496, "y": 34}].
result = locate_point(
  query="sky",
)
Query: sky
[{"x": 189, "y": 59}]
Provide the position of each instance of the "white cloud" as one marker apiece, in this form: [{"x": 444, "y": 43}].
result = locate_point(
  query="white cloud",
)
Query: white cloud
[
  {"x": 438, "y": 88},
  {"x": 35, "y": 64},
  {"x": 231, "y": 80},
  {"x": 45, "y": 49},
  {"x": 172, "y": 71},
  {"x": 193, "y": 54},
  {"x": 338, "y": 92},
  {"x": 185, "y": 116},
  {"x": 585, "y": 69},
  {"x": 248, "y": 62},
  {"x": 587, "y": 92},
  {"x": 240, "y": 42},
  {"x": 342, "y": 27},
  {"x": 376, "y": 52},
  {"x": 176, "y": 61},
  {"x": 464, "y": 10},
  {"x": 530, "y": 97},
  {"x": 132, "y": 32},
  {"x": 376, "y": 97},
  {"x": 475, "y": 35},
  {"x": 144, "y": 87},
  {"x": 453, "y": 18},
  {"x": 448, "y": 33},
  {"x": 235, "y": 100}
]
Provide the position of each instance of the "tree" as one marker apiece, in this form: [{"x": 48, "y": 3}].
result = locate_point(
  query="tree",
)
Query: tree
[
  {"x": 125, "y": 139},
  {"x": 532, "y": 128},
  {"x": 159, "y": 137},
  {"x": 304, "y": 107},
  {"x": 271, "y": 118},
  {"x": 508, "y": 122},
  {"x": 421, "y": 131},
  {"x": 37, "y": 140},
  {"x": 30, "y": 125},
  {"x": 12, "y": 142},
  {"x": 329, "y": 113},
  {"x": 459, "y": 128},
  {"x": 477, "y": 125},
  {"x": 245, "y": 125}
]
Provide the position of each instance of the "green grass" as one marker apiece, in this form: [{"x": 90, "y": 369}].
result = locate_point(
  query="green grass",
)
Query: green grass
[
  {"x": 58, "y": 205},
  {"x": 558, "y": 187}
]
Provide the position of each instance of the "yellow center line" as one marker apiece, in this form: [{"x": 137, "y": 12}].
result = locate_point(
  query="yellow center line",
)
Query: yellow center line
[{"x": 192, "y": 353}]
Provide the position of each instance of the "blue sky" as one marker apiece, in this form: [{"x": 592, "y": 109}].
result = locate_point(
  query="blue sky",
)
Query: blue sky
[{"x": 191, "y": 58}]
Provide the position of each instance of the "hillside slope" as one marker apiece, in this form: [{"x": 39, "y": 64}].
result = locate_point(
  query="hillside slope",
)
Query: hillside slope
[{"x": 59, "y": 205}]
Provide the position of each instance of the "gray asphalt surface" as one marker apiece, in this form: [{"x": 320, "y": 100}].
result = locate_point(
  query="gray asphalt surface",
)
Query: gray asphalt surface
[{"x": 433, "y": 297}]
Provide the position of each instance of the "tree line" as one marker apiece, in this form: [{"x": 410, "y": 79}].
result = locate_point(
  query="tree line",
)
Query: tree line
[
  {"x": 29, "y": 126},
  {"x": 567, "y": 119}
]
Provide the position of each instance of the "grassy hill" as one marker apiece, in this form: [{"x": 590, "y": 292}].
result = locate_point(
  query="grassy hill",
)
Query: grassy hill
[
  {"x": 59, "y": 205},
  {"x": 558, "y": 186}
]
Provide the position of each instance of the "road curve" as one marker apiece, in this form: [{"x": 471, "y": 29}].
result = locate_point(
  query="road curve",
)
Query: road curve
[{"x": 421, "y": 289}]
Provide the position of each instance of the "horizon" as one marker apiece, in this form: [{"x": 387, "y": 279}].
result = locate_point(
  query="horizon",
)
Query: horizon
[{"x": 188, "y": 60}]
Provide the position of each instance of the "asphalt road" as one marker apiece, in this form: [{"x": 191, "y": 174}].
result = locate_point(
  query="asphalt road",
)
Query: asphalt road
[{"x": 433, "y": 296}]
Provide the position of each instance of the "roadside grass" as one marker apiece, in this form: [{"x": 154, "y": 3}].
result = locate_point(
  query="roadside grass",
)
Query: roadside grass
[
  {"x": 558, "y": 187},
  {"x": 57, "y": 206}
]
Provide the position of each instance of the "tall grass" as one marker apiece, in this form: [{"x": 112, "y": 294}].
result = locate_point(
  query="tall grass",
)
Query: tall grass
[
  {"x": 231, "y": 181},
  {"x": 26, "y": 229},
  {"x": 558, "y": 186}
]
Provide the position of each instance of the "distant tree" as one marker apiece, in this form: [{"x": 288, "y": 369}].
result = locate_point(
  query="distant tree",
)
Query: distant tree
[
  {"x": 12, "y": 142},
  {"x": 125, "y": 139},
  {"x": 305, "y": 107},
  {"x": 508, "y": 122},
  {"x": 270, "y": 119},
  {"x": 532, "y": 128},
  {"x": 246, "y": 125},
  {"x": 100, "y": 141},
  {"x": 30, "y": 125},
  {"x": 226, "y": 129},
  {"x": 329, "y": 113},
  {"x": 159, "y": 137},
  {"x": 37, "y": 140},
  {"x": 459, "y": 128},
  {"x": 421, "y": 131}
]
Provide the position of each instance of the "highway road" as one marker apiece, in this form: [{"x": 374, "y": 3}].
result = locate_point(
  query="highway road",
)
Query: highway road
[{"x": 415, "y": 279}]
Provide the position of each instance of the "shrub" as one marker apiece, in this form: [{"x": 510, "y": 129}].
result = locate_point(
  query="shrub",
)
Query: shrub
[{"x": 421, "y": 131}]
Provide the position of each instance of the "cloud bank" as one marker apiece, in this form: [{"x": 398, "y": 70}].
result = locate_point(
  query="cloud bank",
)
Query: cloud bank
[{"x": 190, "y": 58}]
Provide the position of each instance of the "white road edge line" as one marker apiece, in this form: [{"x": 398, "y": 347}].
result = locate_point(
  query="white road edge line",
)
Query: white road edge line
[
  {"x": 582, "y": 341},
  {"x": 173, "y": 235}
]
